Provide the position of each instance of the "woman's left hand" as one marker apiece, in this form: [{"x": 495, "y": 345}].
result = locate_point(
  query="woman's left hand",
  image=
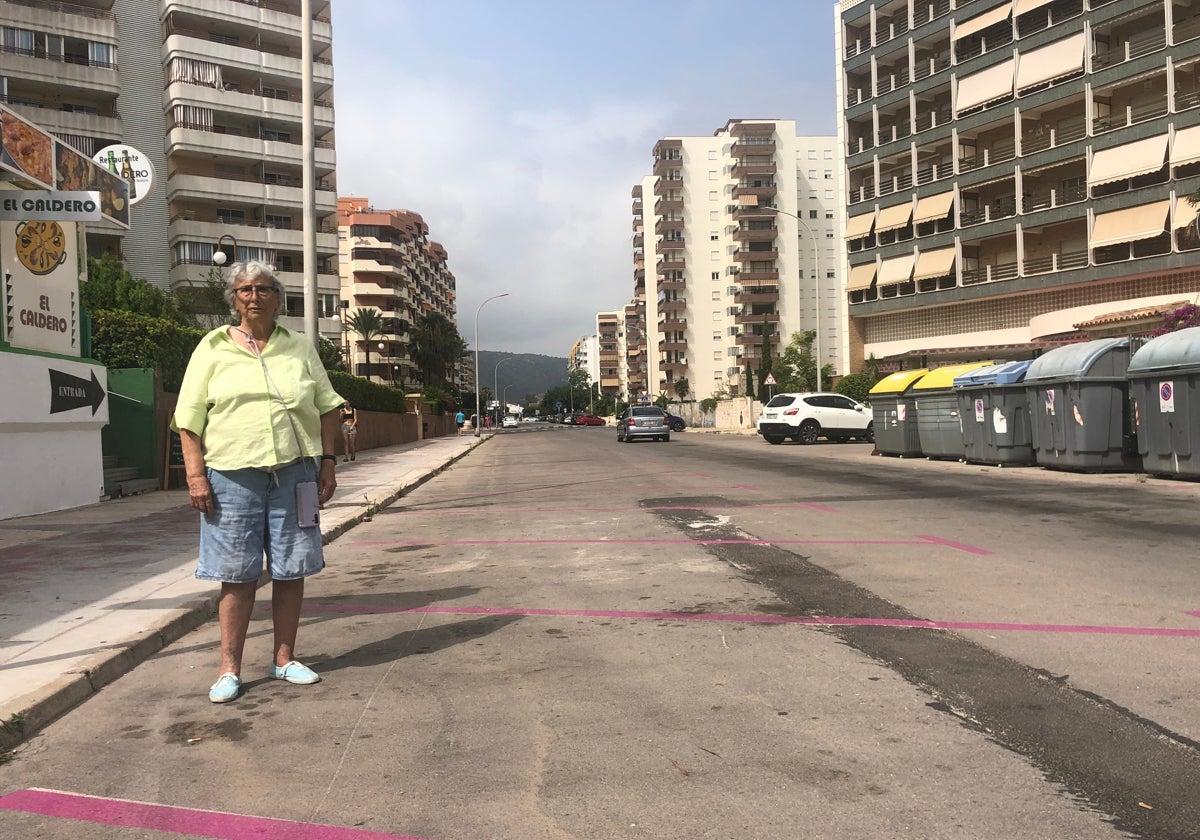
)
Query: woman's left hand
[{"x": 326, "y": 482}]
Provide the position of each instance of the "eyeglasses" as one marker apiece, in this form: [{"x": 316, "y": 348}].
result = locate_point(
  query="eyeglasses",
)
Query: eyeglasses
[{"x": 261, "y": 291}]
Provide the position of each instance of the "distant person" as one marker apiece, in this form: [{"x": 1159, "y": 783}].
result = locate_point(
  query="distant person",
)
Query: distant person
[
  {"x": 258, "y": 465},
  {"x": 349, "y": 430},
  {"x": 459, "y": 419}
]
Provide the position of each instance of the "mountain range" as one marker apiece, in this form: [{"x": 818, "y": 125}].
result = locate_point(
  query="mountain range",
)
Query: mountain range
[{"x": 525, "y": 375}]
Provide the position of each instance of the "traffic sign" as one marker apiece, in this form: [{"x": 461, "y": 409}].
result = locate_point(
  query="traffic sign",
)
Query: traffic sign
[{"x": 770, "y": 380}]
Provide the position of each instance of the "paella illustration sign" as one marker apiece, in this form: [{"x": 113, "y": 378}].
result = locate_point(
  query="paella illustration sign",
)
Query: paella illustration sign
[
  {"x": 26, "y": 150},
  {"x": 41, "y": 285}
]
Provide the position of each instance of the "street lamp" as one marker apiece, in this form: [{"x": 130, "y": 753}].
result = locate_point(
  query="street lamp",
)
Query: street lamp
[
  {"x": 496, "y": 375},
  {"x": 478, "y": 413},
  {"x": 220, "y": 256},
  {"x": 816, "y": 283}
]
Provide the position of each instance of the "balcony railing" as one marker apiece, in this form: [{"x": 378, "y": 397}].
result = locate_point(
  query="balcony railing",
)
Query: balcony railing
[
  {"x": 1033, "y": 202},
  {"x": 932, "y": 119},
  {"x": 996, "y": 153},
  {"x": 988, "y": 213},
  {"x": 196, "y": 126},
  {"x": 889, "y": 184},
  {"x": 81, "y": 60},
  {"x": 923, "y": 12},
  {"x": 280, "y": 7},
  {"x": 64, "y": 8},
  {"x": 990, "y": 273},
  {"x": 1042, "y": 139},
  {"x": 1131, "y": 115},
  {"x": 249, "y": 44},
  {"x": 1135, "y": 47},
  {"x": 1184, "y": 101},
  {"x": 1186, "y": 30},
  {"x": 1051, "y": 263}
]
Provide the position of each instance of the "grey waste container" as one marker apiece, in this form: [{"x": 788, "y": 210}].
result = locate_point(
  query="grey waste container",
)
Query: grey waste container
[
  {"x": 994, "y": 408},
  {"x": 894, "y": 412},
  {"x": 1079, "y": 407},
  {"x": 939, "y": 426},
  {"x": 1164, "y": 387}
]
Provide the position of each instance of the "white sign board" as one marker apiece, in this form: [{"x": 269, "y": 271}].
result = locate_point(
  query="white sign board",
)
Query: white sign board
[
  {"x": 41, "y": 285},
  {"x": 50, "y": 205},
  {"x": 131, "y": 166}
]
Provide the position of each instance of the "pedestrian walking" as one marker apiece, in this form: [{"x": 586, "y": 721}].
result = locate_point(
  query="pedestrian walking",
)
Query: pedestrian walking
[
  {"x": 459, "y": 419},
  {"x": 349, "y": 430},
  {"x": 257, "y": 419}
]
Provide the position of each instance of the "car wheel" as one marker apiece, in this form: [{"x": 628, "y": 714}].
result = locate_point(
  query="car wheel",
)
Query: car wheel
[
  {"x": 808, "y": 432},
  {"x": 677, "y": 426},
  {"x": 774, "y": 440},
  {"x": 869, "y": 437}
]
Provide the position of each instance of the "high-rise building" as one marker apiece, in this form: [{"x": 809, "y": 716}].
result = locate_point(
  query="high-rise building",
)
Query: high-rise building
[
  {"x": 608, "y": 362},
  {"x": 388, "y": 263},
  {"x": 209, "y": 94},
  {"x": 745, "y": 229},
  {"x": 1016, "y": 171}
]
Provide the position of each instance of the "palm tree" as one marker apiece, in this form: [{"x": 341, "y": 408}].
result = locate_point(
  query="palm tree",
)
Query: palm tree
[
  {"x": 682, "y": 386},
  {"x": 368, "y": 323},
  {"x": 436, "y": 347}
]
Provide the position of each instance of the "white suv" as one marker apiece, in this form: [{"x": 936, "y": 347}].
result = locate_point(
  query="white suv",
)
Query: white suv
[{"x": 806, "y": 417}]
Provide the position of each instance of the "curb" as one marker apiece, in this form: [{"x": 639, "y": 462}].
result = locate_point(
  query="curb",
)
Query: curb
[{"x": 33, "y": 711}]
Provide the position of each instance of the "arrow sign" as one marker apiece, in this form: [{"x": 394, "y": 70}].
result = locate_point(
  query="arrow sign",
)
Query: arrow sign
[{"x": 68, "y": 392}]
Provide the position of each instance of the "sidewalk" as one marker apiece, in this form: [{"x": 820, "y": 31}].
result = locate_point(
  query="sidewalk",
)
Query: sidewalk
[{"x": 90, "y": 592}]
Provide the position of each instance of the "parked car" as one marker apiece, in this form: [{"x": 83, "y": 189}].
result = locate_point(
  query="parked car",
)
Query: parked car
[
  {"x": 676, "y": 422},
  {"x": 806, "y": 417},
  {"x": 643, "y": 421},
  {"x": 589, "y": 420}
]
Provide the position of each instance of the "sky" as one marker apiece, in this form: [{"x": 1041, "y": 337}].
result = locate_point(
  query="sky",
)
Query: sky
[{"x": 518, "y": 129}]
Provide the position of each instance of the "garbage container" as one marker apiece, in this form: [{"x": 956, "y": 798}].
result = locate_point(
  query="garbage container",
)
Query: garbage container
[
  {"x": 1164, "y": 387},
  {"x": 1079, "y": 407},
  {"x": 994, "y": 409},
  {"x": 939, "y": 426},
  {"x": 894, "y": 412}
]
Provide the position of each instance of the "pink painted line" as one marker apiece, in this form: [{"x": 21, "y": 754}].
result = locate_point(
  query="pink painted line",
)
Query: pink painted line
[
  {"x": 186, "y": 821},
  {"x": 492, "y": 510},
  {"x": 650, "y": 541},
  {"x": 745, "y": 487},
  {"x": 969, "y": 549},
  {"x": 1193, "y": 613},
  {"x": 803, "y": 620},
  {"x": 822, "y": 508}
]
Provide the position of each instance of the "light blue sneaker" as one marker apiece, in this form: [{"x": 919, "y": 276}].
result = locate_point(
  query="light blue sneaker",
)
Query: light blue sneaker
[
  {"x": 294, "y": 672},
  {"x": 226, "y": 688}
]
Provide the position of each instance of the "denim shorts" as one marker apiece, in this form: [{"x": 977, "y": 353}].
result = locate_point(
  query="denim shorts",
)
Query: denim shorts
[{"x": 254, "y": 514}]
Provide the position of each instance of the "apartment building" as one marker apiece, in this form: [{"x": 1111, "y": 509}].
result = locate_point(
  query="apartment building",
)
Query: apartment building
[
  {"x": 608, "y": 357},
  {"x": 388, "y": 263},
  {"x": 585, "y": 356},
  {"x": 210, "y": 94},
  {"x": 745, "y": 228},
  {"x": 1016, "y": 171}
]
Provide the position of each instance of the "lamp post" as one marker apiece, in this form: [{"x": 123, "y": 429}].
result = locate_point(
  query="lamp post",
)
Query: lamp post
[
  {"x": 344, "y": 306},
  {"x": 220, "y": 257},
  {"x": 478, "y": 412},
  {"x": 382, "y": 363},
  {"x": 816, "y": 283},
  {"x": 496, "y": 375}
]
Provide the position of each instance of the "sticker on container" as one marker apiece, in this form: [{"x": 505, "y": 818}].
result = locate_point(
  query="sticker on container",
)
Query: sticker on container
[
  {"x": 1078, "y": 416},
  {"x": 999, "y": 421},
  {"x": 1050, "y": 402},
  {"x": 901, "y": 412},
  {"x": 1166, "y": 397},
  {"x": 1137, "y": 415},
  {"x": 979, "y": 410}
]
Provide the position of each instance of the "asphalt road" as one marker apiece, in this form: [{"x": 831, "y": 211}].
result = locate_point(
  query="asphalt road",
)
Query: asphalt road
[{"x": 567, "y": 637}]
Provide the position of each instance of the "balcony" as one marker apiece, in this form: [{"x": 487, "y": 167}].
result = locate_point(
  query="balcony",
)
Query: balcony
[
  {"x": 248, "y": 235},
  {"x": 209, "y": 188},
  {"x": 1130, "y": 115},
  {"x": 990, "y": 274},
  {"x": 1040, "y": 138},
  {"x": 1033, "y": 202},
  {"x": 1052, "y": 263},
  {"x": 988, "y": 213},
  {"x": 756, "y": 234},
  {"x": 665, "y": 265},
  {"x": 927, "y": 10},
  {"x": 665, "y": 345},
  {"x": 766, "y": 191},
  {"x": 749, "y": 297},
  {"x": 666, "y": 246},
  {"x": 667, "y": 205},
  {"x": 752, "y": 340},
  {"x": 758, "y": 277},
  {"x": 677, "y": 305},
  {"x": 750, "y": 170},
  {"x": 668, "y": 186},
  {"x": 68, "y": 71},
  {"x": 769, "y": 317},
  {"x": 670, "y": 285},
  {"x": 197, "y": 141},
  {"x": 743, "y": 255},
  {"x": 247, "y": 60},
  {"x": 668, "y": 166},
  {"x": 665, "y": 226},
  {"x": 1135, "y": 47},
  {"x": 675, "y": 366},
  {"x": 252, "y": 106}
]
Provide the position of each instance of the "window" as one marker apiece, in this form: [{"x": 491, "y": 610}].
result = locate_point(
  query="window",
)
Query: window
[
  {"x": 830, "y": 275},
  {"x": 717, "y": 336},
  {"x": 714, "y": 236},
  {"x": 277, "y": 93},
  {"x": 714, "y": 215},
  {"x": 812, "y": 174},
  {"x": 829, "y": 234},
  {"x": 281, "y": 136},
  {"x": 812, "y": 214},
  {"x": 828, "y": 214},
  {"x": 829, "y": 154},
  {"x": 828, "y": 174},
  {"x": 716, "y": 275},
  {"x": 281, "y": 222},
  {"x": 717, "y": 355},
  {"x": 716, "y": 295},
  {"x": 812, "y": 154},
  {"x": 829, "y": 193},
  {"x": 716, "y": 255},
  {"x": 713, "y": 195},
  {"x": 717, "y": 315},
  {"x": 712, "y": 154},
  {"x": 19, "y": 41},
  {"x": 100, "y": 55},
  {"x": 712, "y": 174},
  {"x": 231, "y": 217},
  {"x": 224, "y": 170}
]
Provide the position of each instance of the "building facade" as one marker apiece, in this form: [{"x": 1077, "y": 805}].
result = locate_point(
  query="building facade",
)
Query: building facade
[
  {"x": 210, "y": 95},
  {"x": 1015, "y": 170},
  {"x": 388, "y": 263},
  {"x": 736, "y": 242}
]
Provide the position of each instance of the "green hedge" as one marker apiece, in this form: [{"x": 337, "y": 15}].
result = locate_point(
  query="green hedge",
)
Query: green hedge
[
  {"x": 128, "y": 340},
  {"x": 367, "y": 395}
]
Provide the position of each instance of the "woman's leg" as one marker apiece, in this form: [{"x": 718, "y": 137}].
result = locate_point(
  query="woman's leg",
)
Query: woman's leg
[
  {"x": 287, "y": 597},
  {"x": 233, "y": 611},
  {"x": 346, "y": 444}
]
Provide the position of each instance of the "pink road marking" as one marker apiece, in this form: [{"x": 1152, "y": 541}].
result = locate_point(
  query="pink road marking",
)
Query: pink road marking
[
  {"x": 803, "y": 620},
  {"x": 970, "y": 549},
  {"x": 925, "y": 541},
  {"x": 744, "y": 487},
  {"x": 1193, "y": 613},
  {"x": 492, "y": 510},
  {"x": 185, "y": 821},
  {"x": 822, "y": 508}
]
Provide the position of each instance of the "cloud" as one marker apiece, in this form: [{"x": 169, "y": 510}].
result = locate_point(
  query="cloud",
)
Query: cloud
[{"x": 534, "y": 202}]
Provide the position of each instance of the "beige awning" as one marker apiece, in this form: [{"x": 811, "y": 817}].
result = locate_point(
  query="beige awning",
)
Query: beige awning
[
  {"x": 937, "y": 263},
  {"x": 985, "y": 86},
  {"x": 933, "y": 207},
  {"x": 861, "y": 277},
  {"x": 1186, "y": 146},
  {"x": 891, "y": 218},
  {"x": 1128, "y": 161},
  {"x": 859, "y": 226},
  {"x": 1185, "y": 213},
  {"x": 896, "y": 270},
  {"x": 1130, "y": 224},
  {"x": 978, "y": 24},
  {"x": 1062, "y": 58},
  {"x": 1023, "y": 6}
]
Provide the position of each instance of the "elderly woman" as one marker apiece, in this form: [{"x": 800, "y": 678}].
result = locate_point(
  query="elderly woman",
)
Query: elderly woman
[{"x": 258, "y": 421}]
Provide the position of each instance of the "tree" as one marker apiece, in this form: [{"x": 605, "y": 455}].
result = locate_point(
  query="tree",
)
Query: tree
[
  {"x": 436, "y": 347},
  {"x": 111, "y": 287},
  {"x": 750, "y": 389},
  {"x": 871, "y": 368},
  {"x": 204, "y": 303},
  {"x": 682, "y": 386},
  {"x": 368, "y": 323},
  {"x": 330, "y": 354},
  {"x": 856, "y": 386},
  {"x": 767, "y": 365},
  {"x": 578, "y": 383},
  {"x": 797, "y": 370}
]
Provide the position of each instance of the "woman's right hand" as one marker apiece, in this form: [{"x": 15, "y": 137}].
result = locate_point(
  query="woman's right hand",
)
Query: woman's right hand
[{"x": 200, "y": 493}]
